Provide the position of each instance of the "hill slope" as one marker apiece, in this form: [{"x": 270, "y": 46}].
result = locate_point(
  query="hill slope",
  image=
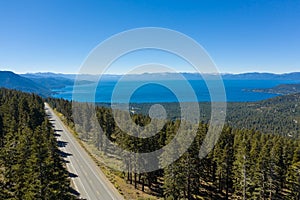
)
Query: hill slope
[
  {"x": 11, "y": 80},
  {"x": 54, "y": 81},
  {"x": 279, "y": 115},
  {"x": 281, "y": 89}
]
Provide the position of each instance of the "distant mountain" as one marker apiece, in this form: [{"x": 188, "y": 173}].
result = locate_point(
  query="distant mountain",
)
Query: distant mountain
[
  {"x": 48, "y": 75},
  {"x": 44, "y": 83},
  {"x": 54, "y": 81},
  {"x": 196, "y": 76},
  {"x": 263, "y": 76},
  {"x": 82, "y": 77},
  {"x": 11, "y": 80},
  {"x": 170, "y": 76}
]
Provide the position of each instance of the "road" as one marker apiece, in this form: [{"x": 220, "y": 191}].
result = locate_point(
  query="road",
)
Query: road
[{"x": 88, "y": 179}]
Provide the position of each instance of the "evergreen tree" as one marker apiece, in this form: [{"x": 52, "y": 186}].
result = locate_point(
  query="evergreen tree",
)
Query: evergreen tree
[
  {"x": 30, "y": 166},
  {"x": 293, "y": 176}
]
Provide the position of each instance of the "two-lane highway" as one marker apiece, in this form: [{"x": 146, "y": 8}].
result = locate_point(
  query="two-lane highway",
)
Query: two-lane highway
[{"x": 90, "y": 182}]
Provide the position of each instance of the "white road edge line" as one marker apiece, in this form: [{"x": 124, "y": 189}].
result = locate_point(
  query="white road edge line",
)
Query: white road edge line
[
  {"x": 71, "y": 165},
  {"x": 71, "y": 140},
  {"x": 108, "y": 191}
]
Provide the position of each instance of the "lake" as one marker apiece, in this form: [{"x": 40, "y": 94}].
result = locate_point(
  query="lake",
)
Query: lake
[{"x": 236, "y": 91}]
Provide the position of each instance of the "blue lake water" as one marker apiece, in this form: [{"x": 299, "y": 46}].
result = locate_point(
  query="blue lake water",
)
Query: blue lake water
[{"x": 167, "y": 91}]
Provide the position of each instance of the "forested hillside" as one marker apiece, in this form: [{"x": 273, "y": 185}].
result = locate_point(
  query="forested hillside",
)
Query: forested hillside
[
  {"x": 279, "y": 115},
  {"x": 30, "y": 165},
  {"x": 281, "y": 89},
  {"x": 244, "y": 164}
]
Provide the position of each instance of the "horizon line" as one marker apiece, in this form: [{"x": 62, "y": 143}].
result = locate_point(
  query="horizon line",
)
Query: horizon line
[{"x": 144, "y": 73}]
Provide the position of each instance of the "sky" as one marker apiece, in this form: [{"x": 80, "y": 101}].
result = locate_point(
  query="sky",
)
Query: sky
[{"x": 240, "y": 36}]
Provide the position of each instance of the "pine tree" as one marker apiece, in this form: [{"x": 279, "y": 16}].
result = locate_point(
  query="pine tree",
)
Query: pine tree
[
  {"x": 262, "y": 174},
  {"x": 293, "y": 176},
  {"x": 173, "y": 183},
  {"x": 241, "y": 165},
  {"x": 30, "y": 167},
  {"x": 277, "y": 168}
]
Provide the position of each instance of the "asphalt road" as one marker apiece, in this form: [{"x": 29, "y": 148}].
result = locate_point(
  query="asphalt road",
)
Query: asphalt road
[{"x": 88, "y": 179}]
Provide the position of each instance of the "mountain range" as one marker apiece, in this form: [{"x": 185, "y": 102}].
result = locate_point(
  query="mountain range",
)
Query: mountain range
[
  {"x": 11, "y": 80},
  {"x": 44, "y": 83}
]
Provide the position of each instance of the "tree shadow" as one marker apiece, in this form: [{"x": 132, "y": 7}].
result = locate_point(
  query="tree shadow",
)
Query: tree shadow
[
  {"x": 65, "y": 161},
  {"x": 56, "y": 132},
  {"x": 72, "y": 175},
  {"x": 74, "y": 192},
  {"x": 56, "y": 135},
  {"x": 64, "y": 154},
  {"x": 61, "y": 144}
]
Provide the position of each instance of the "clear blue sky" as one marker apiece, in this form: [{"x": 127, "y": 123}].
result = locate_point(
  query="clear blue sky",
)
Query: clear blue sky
[{"x": 240, "y": 36}]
